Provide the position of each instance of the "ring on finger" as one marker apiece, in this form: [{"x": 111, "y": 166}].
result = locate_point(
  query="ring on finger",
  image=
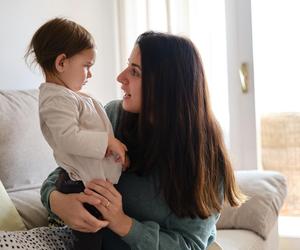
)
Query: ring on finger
[{"x": 107, "y": 204}]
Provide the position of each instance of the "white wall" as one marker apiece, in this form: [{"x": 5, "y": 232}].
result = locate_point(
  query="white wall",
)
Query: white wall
[{"x": 19, "y": 19}]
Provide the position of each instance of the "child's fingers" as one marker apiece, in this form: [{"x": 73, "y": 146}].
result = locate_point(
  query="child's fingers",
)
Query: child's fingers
[
  {"x": 124, "y": 146},
  {"x": 121, "y": 155},
  {"x": 108, "y": 153},
  {"x": 118, "y": 158},
  {"x": 122, "y": 159}
]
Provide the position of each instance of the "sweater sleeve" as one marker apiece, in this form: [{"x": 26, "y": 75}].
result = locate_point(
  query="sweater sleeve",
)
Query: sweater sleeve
[
  {"x": 180, "y": 233},
  {"x": 60, "y": 125},
  {"x": 113, "y": 109},
  {"x": 48, "y": 186}
]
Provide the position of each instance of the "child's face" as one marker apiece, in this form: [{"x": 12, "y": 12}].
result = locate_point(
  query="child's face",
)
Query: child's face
[{"x": 77, "y": 69}]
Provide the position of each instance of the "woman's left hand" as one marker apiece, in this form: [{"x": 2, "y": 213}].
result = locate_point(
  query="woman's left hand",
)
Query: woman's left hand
[{"x": 111, "y": 206}]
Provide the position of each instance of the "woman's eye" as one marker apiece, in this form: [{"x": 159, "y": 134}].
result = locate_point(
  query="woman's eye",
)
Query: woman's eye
[{"x": 134, "y": 72}]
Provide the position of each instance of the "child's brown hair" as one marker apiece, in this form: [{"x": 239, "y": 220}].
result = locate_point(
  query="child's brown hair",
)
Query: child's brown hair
[{"x": 57, "y": 36}]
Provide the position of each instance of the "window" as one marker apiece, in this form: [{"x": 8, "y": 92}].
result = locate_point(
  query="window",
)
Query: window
[{"x": 276, "y": 53}]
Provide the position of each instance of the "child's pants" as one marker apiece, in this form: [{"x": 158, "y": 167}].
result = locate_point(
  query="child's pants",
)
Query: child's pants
[{"x": 83, "y": 241}]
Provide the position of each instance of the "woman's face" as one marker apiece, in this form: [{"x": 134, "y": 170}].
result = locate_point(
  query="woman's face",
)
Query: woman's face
[{"x": 131, "y": 82}]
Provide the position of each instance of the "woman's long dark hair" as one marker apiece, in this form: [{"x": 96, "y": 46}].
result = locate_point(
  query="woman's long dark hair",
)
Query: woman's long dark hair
[{"x": 176, "y": 134}]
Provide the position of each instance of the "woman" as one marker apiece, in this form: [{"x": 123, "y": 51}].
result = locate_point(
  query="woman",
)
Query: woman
[{"x": 179, "y": 175}]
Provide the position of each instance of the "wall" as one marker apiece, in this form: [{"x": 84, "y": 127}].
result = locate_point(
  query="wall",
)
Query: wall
[{"x": 18, "y": 21}]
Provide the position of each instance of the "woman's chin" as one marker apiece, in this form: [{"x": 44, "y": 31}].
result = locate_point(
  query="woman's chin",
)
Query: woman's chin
[
  {"x": 129, "y": 108},
  {"x": 125, "y": 105}
]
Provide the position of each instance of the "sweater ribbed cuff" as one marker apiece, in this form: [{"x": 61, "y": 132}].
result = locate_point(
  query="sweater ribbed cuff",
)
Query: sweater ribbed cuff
[{"x": 134, "y": 234}]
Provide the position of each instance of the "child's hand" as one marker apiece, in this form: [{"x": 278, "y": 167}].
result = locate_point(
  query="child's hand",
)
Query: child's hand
[
  {"x": 126, "y": 163},
  {"x": 117, "y": 148}
]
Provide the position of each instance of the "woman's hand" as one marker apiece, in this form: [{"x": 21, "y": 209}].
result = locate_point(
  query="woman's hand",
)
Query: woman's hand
[
  {"x": 69, "y": 207},
  {"x": 110, "y": 206}
]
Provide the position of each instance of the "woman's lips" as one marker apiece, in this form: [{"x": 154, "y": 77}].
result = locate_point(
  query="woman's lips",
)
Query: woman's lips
[{"x": 126, "y": 95}]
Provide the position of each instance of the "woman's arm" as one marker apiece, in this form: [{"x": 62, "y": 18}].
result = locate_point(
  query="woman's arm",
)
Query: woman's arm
[
  {"x": 69, "y": 207},
  {"x": 48, "y": 186},
  {"x": 177, "y": 233},
  {"x": 181, "y": 234}
]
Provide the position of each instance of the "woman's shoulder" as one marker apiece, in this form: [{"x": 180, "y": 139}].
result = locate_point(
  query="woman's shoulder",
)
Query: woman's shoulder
[
  {"x": 114, "y": 104},
  {"x": 113, "y": 109}
]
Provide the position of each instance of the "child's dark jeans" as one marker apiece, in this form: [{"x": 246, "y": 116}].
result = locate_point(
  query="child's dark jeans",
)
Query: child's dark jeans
[{"x": 83, "y": 241}]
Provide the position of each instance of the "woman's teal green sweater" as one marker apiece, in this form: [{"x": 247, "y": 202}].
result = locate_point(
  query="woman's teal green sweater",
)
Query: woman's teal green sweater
[{"x": 155, "y": 226}]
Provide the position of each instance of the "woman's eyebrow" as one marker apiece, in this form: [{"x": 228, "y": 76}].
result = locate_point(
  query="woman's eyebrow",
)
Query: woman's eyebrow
[{"x": 136, "y": 65}]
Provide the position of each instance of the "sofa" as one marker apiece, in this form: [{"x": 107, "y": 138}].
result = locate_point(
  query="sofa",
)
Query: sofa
[{"x": 26, "y": 160}]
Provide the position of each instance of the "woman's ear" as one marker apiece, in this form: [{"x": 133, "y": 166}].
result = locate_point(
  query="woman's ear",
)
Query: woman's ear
[{"x": 60, "y": 62}]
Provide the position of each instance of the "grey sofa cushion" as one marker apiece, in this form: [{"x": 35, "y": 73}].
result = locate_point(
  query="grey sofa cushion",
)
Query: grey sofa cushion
[
  {"x": 28, "y": 204},
  {"x": 25, "y": 157},
  {"x": 266, "y": 191}
]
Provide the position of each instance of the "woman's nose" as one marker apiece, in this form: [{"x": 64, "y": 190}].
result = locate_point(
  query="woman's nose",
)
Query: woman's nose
[{"x": 121, "y": 77}]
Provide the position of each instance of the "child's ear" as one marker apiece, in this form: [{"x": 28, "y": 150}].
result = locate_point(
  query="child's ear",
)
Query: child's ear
[{"x": 60, "y": 62}]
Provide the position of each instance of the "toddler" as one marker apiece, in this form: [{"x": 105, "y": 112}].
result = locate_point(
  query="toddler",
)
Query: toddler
[{"x": 74, "y": 124}]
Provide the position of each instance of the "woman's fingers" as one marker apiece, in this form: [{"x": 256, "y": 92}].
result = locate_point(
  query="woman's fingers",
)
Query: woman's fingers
[
  {"x": 99, "y": 192},
  {"x": 112, "y": 210},
  {"x": 105, "y": 188},
  {"x": 94, "y": 226},
  {"x": 92, "y": 200},
  {"x": 87, "y": 217},
  {"x": 84, "y": 226},
  {"x": 69, "y": 207},
  {"x": 111, "y": 206},
  {"x": 102, "y": 199},
  {"x": 91, "y": 220}
]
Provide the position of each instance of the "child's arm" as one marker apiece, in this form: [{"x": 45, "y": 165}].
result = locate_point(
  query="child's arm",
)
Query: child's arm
[
  {"x": 118, "y": 148},
  {"x": 60, "y": 126}
]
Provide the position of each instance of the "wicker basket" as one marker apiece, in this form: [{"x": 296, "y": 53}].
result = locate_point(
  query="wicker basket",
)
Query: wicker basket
[{"x": 280, "y": 135}]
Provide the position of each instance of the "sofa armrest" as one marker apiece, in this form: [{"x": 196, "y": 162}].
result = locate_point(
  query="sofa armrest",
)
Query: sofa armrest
[{"x": 266, "y": 191}]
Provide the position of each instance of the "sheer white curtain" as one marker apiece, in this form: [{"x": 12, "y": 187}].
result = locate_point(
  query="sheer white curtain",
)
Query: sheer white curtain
[{"x": 203, "y": 21}]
